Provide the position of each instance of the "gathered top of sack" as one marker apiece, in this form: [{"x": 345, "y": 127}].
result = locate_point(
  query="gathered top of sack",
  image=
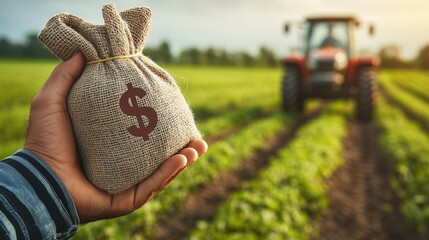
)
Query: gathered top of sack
[{"x": 126, "y": 34}]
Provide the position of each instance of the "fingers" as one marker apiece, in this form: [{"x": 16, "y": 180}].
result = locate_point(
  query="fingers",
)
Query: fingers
[
  {"x": 199, "y": 145},
  {"x": 133, "y": 198},
  {"x": 167, "y": 172},
  {"x": 191, "y": 155},
  {"x": 148, "y": 188},
  {"x": 195, "y": 149},
  {"x": 64, "y": 75}
]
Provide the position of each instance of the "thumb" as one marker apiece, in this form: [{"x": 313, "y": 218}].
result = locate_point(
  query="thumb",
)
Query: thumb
[{"x": 64, "y": 75}]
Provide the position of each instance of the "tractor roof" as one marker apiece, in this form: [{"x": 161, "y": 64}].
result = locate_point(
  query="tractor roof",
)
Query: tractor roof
[{"x": 333, "y": 19}]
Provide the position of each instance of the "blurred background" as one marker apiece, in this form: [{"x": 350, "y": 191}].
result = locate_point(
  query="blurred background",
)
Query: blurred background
[
  {"x": 272, "y": 172},
  {"x": 230, "y": 26}
]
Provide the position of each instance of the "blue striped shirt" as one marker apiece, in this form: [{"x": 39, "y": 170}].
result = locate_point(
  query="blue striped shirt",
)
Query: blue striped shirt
[{"x": 34, "y": 203}]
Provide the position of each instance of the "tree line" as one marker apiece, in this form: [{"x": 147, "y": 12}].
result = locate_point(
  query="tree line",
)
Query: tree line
[
  {"x": 212, "y": 56},
  {"x": 32, "y": 48},
  {"x": 390, "y": 57}
]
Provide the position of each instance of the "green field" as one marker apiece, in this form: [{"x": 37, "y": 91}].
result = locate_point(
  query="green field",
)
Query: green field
[
  {"x": 19, "y": 83},
  {"x": 237, "y": 109}
]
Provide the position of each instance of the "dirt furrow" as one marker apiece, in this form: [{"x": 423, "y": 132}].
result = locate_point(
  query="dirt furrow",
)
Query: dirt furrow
[
  {"x": 360, "y": 194},
  {"x": 202, "y": 204}
]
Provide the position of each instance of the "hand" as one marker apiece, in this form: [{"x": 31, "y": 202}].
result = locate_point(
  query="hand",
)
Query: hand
[{"x": 50, "y": 136}]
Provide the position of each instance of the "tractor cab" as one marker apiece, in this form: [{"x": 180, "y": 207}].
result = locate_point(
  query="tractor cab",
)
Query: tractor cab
[
  {"x": 326, "y": 33},
  {"x": 329, "y": 67},
  {"x": 327, "y": 51}
]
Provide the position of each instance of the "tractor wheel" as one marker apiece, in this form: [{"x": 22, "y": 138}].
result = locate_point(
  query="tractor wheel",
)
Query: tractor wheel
[
  {"x": 367, "y": 94},
  {"x": 292, "y": 99}
]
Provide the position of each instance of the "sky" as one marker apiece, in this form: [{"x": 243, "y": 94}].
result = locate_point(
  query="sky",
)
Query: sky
[{"x": 236, "y": 25}]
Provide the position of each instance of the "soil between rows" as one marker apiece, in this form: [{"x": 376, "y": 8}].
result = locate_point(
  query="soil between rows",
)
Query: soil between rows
[
  {"x": 360, "y": 193},
  {"x": 202, "y": 205}
]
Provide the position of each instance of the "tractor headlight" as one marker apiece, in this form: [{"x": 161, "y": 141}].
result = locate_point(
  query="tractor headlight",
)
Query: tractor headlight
[{"x": 340, "y": 61}]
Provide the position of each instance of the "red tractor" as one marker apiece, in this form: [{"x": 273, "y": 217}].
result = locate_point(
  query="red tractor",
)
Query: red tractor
[{"x": 329, "y": 67}]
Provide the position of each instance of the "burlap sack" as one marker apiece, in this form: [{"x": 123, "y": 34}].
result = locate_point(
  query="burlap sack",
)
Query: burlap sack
[{"x": 128, "y": 114}]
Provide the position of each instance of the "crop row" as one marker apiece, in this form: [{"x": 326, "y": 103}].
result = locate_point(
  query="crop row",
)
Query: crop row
[
  {"x": 414, "y": 83},
  {"x": 285, "y": 197},
  {"x": 230, "y": 121},
  {"x": 222, "y": 156},
  {"x": 406, "y": 147},
  {"x": 414, "y": 77},
  {"x": 411, "y": 103}
]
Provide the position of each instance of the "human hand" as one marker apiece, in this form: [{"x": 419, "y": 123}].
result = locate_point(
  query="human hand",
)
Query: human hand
[{"x": 50, "y": 136}]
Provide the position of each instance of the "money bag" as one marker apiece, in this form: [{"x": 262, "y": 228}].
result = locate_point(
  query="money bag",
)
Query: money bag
[{"x": 128, "y": 114}]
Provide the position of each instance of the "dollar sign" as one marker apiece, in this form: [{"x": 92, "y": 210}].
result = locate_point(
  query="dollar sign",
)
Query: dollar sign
[{"x": 134, "y": 110}]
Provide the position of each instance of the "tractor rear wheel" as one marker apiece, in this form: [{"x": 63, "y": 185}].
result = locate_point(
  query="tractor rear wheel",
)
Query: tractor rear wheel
[
  {"x": 292, "y": 99},
  {"x": 367, "y": 93}
]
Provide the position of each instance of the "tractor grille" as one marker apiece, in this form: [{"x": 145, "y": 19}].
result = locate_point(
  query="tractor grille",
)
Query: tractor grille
[{"x": 325, "y": 65}]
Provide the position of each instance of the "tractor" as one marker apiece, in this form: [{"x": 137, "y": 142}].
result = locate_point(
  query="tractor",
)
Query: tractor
[{"x": 329, "y": 67}]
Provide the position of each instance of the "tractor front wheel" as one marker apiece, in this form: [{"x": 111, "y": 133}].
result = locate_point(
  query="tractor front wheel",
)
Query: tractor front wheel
[
  {"x": 292, "y": 99},
  {"x": 367, "y": 93}
]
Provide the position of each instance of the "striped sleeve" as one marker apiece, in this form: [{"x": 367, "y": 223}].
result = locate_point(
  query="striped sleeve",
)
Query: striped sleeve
[{"x": 34, "y": 203}]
